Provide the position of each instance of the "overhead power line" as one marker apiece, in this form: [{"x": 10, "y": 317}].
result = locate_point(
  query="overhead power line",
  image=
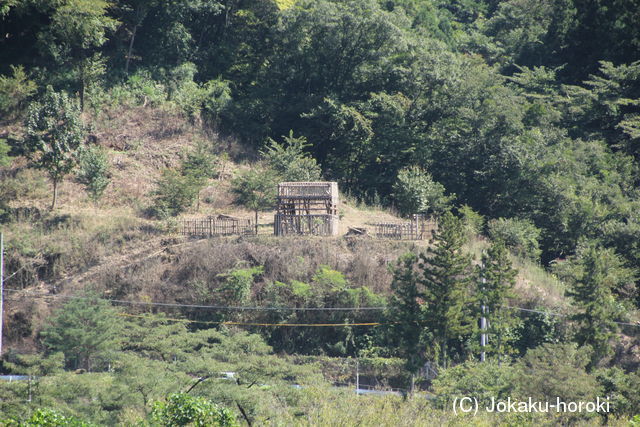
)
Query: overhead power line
[
  {"x": 257, "y": 308},
  {"x": 551, "y": 313},
  {"x": 229, "y": 323},
  {"x": 209, "y": 307}
]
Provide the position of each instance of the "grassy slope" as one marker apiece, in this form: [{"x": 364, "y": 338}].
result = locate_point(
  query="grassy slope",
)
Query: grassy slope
[{"x": 114, "y": 245}]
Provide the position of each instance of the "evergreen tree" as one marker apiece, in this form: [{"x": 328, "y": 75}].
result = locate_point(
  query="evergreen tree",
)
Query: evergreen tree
[
  {"x": 54, "y": 136},
  {"x": 85, "y": 330},
  {"x": 94, "y": 171},
  {"x": 553, "y": 371},
  {"x": 289, "y": 159},
  {"x": 199, "y": 166},
  {"x": 430, "y": 306},
  {"x": 405, "y": 312},
  {"x": 495, "y": 285},
  {"x": 592, "y": 275},
  {"x": 14, "y": 91},
  {"x": 444, "y": 277},
  {"x": 174, "y": 192}
]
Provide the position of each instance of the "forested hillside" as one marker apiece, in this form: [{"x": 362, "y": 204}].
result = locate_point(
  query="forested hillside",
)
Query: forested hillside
[{"x": 515, "y": 124}]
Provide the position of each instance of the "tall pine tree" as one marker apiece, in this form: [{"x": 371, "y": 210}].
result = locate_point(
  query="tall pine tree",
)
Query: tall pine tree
[
  {"x": 593, "y": 275},
  {"x": 407, "y": 327},
  {"x": 430, "y": 310},
  {"x": 445, "y": 280},
  {"x": 499, "y": 280}
]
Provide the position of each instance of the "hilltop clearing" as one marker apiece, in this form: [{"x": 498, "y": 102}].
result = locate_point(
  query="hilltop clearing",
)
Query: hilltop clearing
[{"x": 114, "y": 247}]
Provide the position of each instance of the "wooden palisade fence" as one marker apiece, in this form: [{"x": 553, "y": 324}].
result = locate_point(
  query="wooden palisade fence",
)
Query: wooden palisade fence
[
  {"x": 419, "y": 228},
  {"x": 221, "y": 225}
]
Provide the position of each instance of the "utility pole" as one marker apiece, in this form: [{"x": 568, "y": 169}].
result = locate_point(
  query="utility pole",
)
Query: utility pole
[
  {"x": 1, "y": 287},
  {"x": 357, "y": 376},
  {"x": 483, "y": 319}
]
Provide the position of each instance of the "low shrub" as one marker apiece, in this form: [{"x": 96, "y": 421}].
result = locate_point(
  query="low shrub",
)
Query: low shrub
[{"x": 519, "y": 235}]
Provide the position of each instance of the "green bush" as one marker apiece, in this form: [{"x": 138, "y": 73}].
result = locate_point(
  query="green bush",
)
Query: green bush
[
  {"x": 94, "y": 171},
  {"x": 519, "y": 235},
  {"x": 472, "y": 221},
  {"x": 174, "y": 193},
  {"x": 556, "y": 371},
  {"x": 238, "y": 284},
  {"x": 139, "y": 89},
  {"x": 48, "y": 418},
  {"x": 480, "y": 380},
  {"x": 295, "y": 294},
  {"x": 146, "y": 90},
  {"x": 328, "y": 279},
  {"x": 182, "y": 409},
  {"x": 537, "y": 329},
  {"x": 4, "y": 153},
  {"x": 194, "y": 98},
  {"x": 415, "y": 191}
]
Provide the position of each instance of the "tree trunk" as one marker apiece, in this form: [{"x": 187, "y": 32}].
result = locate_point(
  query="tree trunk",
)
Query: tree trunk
[
  {"x": 55, "y": 193},
  {"x": 444, "y": 352},
  {"x": 413, "y": 384},
  {"x": 82, "y": 95},
  {"x": 133, "y": 37},
  {"x": 256, "y": 221},
  {"x": 83, "y": 69}
]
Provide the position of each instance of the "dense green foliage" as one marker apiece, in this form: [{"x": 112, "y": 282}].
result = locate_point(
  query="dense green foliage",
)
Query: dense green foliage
[
  {"x": 595, "y": 275},
  {"x": 434, "y": 300},
  {"x": 51, "y": 418},
  {"x": 495, "y": 286},
  {"x": 185, "y": 410},
  {"x": 517, "y": 120},
  {"x": 86, "y": 330},
  {"x": 520, "y": 236},
  {"x": 415, "y": 192},
  {"x": 508, "y": 105},
  {"x": 15, "y": 90},
  {"x": 4, "y": 153}
]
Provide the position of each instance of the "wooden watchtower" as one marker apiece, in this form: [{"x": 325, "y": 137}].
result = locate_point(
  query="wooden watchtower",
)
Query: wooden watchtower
[{"x": 307, "y": 208}]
